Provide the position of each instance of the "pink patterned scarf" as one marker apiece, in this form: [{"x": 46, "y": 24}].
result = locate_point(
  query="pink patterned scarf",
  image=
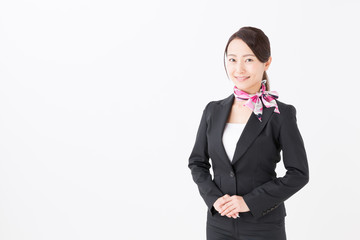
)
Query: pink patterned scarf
[{"x": 254, "y": 100}]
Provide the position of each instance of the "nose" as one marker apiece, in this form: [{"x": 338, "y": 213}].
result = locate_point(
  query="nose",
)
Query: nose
[{"x": 240, "y": 68}]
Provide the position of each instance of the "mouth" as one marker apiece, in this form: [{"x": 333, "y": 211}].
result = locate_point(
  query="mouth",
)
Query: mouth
[{"x": 241, "y": 79}]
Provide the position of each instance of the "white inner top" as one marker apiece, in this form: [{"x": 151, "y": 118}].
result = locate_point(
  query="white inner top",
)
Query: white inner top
[{"x": 231, "y": 136}]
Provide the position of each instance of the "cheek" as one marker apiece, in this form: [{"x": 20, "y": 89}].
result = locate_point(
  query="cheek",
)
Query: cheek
[
  {"x": 256, "y": 69},
  {"x": 252, "y": 68},
  {"x": 230, "y": 70},
  {"x": 229, "y": 67}
]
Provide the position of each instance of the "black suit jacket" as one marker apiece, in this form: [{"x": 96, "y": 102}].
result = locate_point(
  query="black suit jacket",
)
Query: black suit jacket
[{"x": 251, "y": 174}]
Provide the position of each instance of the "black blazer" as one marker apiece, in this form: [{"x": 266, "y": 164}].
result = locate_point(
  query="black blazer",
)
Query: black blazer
[{"x": 251, "y": 174}]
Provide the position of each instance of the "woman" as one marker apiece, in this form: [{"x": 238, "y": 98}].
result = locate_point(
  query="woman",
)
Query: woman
[{"x": 243, "y": 136}]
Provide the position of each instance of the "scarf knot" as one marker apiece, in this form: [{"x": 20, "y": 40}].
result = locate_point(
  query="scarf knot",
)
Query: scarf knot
[{"x": 255, "y": 101}]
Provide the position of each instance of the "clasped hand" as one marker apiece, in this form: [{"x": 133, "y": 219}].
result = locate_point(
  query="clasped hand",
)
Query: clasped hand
[{"x": 230, "y": 206}]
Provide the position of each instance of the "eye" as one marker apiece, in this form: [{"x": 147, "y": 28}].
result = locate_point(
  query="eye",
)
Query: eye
[
  {"x": 231, "y": 60},
  {"x": 249, "y": 60}
]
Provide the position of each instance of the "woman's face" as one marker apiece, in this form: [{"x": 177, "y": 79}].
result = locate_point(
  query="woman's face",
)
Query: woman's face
[{"x": 243, "y": 67}]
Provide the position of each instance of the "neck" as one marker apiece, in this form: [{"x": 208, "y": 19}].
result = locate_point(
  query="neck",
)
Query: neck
[
  {"x": 239, "y": 103},
  {"x": 254, "y": 90}
]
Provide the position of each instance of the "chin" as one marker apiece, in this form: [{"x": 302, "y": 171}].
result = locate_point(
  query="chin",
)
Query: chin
[
  {"x": 246, "y": 86},
  {"x": 243, "y": 87}
]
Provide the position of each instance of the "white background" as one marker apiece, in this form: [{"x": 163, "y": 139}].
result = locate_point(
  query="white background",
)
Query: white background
[{"x": 100, "y": 102}]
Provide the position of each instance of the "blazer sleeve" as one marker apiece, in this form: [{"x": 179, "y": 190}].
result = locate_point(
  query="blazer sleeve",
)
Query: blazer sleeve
[
  {"x": 270, "y": 195},
  {"x": 200, "y": 165}
]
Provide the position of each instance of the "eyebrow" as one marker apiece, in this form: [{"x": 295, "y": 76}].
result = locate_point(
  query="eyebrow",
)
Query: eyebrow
[{"x": 246, "y": 55}]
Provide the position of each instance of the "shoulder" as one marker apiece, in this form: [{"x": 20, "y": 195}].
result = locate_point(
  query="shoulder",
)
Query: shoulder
[
  {"x": 286, "y": 109},
  {"x": 215, "y": 106},
  {"x": 219, "y": 103}
]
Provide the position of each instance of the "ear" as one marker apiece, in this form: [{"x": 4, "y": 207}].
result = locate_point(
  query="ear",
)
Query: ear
[{"x": 267, "y": 64}]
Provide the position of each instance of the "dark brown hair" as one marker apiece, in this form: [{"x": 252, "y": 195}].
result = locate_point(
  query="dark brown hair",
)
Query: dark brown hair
[{"x": 257, "y": 41}]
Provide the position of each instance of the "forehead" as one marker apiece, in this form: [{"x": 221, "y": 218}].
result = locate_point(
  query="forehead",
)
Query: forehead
[{"x": 238, "y": 47}]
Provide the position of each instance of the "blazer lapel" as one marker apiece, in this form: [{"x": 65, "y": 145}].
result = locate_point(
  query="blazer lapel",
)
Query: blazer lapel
[
  {"x": 220, "y": 119},
  {"x": 252, "y": 129}
]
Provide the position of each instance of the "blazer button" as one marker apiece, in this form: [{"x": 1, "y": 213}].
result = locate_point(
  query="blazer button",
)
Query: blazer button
[{"x": 232, "y": 174}]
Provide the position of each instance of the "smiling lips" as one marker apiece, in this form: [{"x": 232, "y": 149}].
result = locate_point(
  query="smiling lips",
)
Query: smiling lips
[{"x": 241, "y": 79}]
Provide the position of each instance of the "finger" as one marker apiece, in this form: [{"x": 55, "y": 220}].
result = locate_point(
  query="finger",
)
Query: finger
[
  {"x": 224, "y": 200},
  {"x": 233, "y": 212},
  {"x": 232, "y": 209},
  {"x": 228, "y": 210},
  {"x": 232, "y": 216},
  {"x": 224, "y": 207},
  {"x": 230, "y": 201},
  {"x": 219, "y": 201}
]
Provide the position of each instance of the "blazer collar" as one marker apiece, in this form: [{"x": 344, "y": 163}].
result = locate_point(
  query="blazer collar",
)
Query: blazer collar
[{"x": 251, "y": 131}]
